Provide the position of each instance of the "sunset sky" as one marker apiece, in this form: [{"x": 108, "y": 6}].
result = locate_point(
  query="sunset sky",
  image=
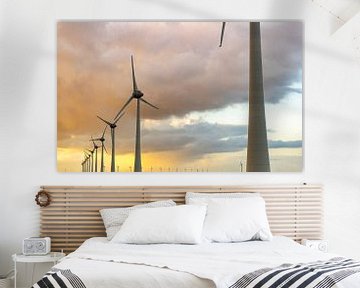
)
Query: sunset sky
[{"x": 201, "y": 90}]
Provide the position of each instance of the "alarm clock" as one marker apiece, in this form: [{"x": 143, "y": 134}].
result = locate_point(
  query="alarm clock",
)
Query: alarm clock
[
  {"x": 320, "y": 245},
  {"x": 36, "y": 246}
]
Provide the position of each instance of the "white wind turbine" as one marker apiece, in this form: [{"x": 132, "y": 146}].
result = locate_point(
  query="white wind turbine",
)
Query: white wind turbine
[
  {"x": 102, "y": 140},
  {"x": 87, "y": 162},
  {"x": 92, "y": 159},
  {"x": 138, "y": 95},
  {"x": 95, "y": 148},
  {"x": 112, "y": 126}
]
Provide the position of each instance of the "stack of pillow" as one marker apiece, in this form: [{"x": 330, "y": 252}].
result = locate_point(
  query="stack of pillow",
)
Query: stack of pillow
[{"x": 220, "y": 217}]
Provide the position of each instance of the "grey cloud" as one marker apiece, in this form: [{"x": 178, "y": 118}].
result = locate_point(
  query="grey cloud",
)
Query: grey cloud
[
  {"x": 285, "y": 144},
  {"x": 196, "y": 139},
  {"x": 199, "y": 139}
]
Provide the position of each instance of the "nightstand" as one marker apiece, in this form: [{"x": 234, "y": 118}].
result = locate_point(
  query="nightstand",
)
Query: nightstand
[
  {"x": 53, "y": 257},
  {"x": 320, "y": 245}
]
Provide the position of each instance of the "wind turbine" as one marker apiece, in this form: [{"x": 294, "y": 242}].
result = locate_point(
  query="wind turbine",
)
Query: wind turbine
[
  {"x": 87, "y": 163},
  {"x": 88, "y": 169},
  {"x": 92, "y": 159},
  {"x": 257, "y": 147},
  {"x": 95, "y": 148},
  {"x": 112, "y": 126},
  {"x": 84, "y": 163},
  {"x": 102, "y": 140},
  {"x": 138, "y": 95}
]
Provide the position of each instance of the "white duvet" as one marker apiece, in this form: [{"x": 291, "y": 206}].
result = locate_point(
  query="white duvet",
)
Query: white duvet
[{"x": 100, "y": 263}]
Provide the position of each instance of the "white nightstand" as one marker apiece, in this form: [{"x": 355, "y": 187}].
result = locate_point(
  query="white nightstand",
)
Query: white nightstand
[
  {"x": 53, "y": 257},
  {"x": 320, "y": 245}
]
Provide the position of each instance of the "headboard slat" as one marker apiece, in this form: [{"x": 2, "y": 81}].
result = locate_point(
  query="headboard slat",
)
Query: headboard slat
[{"x": 73, "y": 216}]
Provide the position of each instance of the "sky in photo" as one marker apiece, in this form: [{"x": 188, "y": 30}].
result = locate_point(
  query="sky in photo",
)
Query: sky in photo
[{"x": 201, "y": 90}]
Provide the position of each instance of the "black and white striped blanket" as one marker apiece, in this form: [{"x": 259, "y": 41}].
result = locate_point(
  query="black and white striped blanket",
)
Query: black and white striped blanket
[
  {"x": 320, "y": 274},
  {"x": 59, "y": 278}
]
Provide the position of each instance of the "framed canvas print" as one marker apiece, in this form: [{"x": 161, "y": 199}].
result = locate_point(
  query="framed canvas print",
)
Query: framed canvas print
[{"x": 179, "y": 96}]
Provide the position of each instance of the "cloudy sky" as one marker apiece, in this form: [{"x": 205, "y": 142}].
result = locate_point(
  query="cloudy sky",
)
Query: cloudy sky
[{"x": 201, "y": 90}]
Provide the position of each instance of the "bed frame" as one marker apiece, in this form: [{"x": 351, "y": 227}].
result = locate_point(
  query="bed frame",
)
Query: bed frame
[{"x": 73, "y": 214}]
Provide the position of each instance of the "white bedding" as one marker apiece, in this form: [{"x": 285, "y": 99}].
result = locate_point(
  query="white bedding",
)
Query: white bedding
[{"x": 100, "y": 263}]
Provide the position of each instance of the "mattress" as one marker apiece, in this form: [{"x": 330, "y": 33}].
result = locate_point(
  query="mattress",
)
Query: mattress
[{"x": 99, "y": 263}]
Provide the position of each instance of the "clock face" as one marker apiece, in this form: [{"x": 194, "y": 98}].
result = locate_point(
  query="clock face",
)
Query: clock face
[
  {"x": 29, "y": 245},
  {"x": 40, "y": 245}
]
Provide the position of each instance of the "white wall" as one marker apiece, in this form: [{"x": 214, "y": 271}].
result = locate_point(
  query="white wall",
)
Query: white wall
[{"x": 28, "y": 109}]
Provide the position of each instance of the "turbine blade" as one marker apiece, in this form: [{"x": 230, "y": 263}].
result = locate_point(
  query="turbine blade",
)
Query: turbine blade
[
  {"x": 148, "y": 103},
  {"x": 107, "y": 122},
  {"x": 222, "y": 33},
  {"x": 119, "y": 118},
  {"x": 105, "y": 150},
  {"x": 97, "y": 139},
  {"x": 91, "y": 151},
  {"x": 122, "y": 109},
  {"x": 133, "y": 74},
  {"x": 104, "y": 132}
]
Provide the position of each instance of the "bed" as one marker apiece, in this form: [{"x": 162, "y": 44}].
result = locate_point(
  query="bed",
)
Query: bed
[
  {"x": 99, "y": 263},
  {"x": 293, "y": 210}
]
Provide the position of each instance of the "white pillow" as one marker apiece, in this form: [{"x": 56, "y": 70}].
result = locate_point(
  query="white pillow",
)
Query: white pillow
[
  {"x": 204, "y": 198},
  {"x": 180, "y": 224},
  {"x": 113, "y": 218},
  {"x": 236, "y": 220}
]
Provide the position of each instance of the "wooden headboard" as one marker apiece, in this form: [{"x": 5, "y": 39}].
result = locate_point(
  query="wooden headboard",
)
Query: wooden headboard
[{"x": 73, "y": 215}]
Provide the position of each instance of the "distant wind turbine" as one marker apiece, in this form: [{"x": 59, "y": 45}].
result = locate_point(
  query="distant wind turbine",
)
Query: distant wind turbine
[
  {"x": 102, "y": 140},
  {"x": 136, "y": 94},
  {"x": 257, "y": 147},
  {"x": 112, "y": 126},
  {"x": 87, "y": 162},
  {"x": 95, "y": 148},
  {"x": 92, "y": 159},
  {"x": 84, "y": 163}
]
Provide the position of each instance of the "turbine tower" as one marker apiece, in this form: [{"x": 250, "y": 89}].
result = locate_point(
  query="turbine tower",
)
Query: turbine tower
[
  {"x": 95, "y": 148},
  {"x": 138, "y": 95},
  {"x": 257, "y": 147},
  {"x": 102, "y": 140},
  {"x": 112, "y": 126}
]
